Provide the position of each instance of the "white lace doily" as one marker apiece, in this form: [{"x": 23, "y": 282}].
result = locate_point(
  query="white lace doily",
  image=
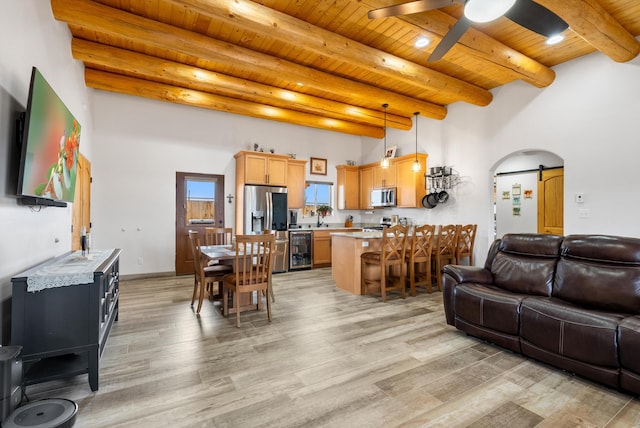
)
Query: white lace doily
[{"x": 70, "y": 270}]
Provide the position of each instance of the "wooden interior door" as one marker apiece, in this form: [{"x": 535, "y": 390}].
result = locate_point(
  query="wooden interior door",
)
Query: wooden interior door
[
  {"x": 81, "y": 208},
  {"x": 551, "y": 201},
  {"x": 199, "y": 204}
]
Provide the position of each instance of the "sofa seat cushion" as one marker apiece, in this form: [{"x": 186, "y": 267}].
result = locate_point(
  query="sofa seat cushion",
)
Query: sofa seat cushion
[
  {"x": 584, "y": 335},
  {"x": 629, "y": 343},
  {"x": 489, "y": 307}
]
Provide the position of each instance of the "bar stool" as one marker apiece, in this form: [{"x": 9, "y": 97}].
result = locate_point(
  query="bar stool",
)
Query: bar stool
[
  {"x": 444, "y": 251},
  {"x": 466, "y": 239},
  {"x": 419, "y": 255},
  {"x": 391, "y": 256}
]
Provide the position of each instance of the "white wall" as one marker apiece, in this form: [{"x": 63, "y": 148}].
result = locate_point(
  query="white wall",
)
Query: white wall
[
  {"x": 31, "y": 37},
  {"x": 143, "y": 145}
]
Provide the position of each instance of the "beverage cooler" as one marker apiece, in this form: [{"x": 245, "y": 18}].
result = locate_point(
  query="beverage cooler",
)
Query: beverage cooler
[{"x": 300, "y": 244}]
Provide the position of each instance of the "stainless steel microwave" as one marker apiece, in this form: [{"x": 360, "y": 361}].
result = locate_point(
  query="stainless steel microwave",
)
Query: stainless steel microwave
[{"x": 384, "y": 197}]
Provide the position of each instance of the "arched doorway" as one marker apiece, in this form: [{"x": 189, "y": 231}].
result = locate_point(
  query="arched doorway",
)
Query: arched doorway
[{"x": 524, "y": 200}]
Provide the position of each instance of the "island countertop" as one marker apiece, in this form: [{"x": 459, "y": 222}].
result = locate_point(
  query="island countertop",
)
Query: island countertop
[{"x": 359, "y": 235}]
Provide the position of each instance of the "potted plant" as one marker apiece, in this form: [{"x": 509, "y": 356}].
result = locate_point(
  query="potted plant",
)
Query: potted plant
[{"x": 323, "y": 210}]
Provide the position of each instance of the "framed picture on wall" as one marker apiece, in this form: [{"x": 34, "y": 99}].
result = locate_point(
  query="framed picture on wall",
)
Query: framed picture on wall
[
  {"x": 318, "y": 166},
  {"x": 391, "y": 152}
]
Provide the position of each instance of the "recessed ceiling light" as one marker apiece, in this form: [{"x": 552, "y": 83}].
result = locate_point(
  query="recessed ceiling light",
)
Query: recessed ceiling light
[
  {"x": 555, "y": 39},
  {"x": 422, "y": 42}
]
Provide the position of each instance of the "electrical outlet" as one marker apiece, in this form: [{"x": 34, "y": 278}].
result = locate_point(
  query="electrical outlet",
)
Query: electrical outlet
[
  {"x": 584, "y": 213},
  {"x": 140, "y": 260}
]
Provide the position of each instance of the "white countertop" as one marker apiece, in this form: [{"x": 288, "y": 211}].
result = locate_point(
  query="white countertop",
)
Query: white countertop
[{"x": 359, "y": 235}]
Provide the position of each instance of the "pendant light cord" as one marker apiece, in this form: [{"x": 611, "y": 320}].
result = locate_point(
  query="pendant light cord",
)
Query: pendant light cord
[{"x": 385, "y": 105}]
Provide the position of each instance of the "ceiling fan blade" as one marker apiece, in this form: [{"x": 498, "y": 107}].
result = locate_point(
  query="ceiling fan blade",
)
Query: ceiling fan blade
[
  {"x": 536, "y": 18},
  {"x": 410, "y": 7},
  {"x": 450, "y": 39}
]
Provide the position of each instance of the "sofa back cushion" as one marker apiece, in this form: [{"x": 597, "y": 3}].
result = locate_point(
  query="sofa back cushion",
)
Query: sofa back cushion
[
  {"x": 600, "y": 271},
  {"x": 525, "y": 263}
]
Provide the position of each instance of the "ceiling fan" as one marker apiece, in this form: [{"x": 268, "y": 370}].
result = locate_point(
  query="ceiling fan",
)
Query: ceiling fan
[{"x": 525, "y": 13}]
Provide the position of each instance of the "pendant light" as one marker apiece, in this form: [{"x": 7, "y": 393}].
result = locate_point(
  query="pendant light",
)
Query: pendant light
[
  {"x": 384, "y": 163},
  {"x": 416, "y": 163}
]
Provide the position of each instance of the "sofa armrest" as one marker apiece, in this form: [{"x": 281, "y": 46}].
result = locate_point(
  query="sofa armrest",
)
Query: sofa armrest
[
  {"x": 475, "y": 274},
  {"x": 456, "y": 274}
]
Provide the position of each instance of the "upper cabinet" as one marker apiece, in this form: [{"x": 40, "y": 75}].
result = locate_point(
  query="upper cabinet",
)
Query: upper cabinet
[
  {"x": 348, "y": 187},
  {"x": 385, "y": 177},
  {"x": 296, "y": 173},
  {"x": 366, "y": 185},
  {"x": 400, "y": 174},
  {"x": 410, "y": 184},
  {"x": 261, "y": 168}
]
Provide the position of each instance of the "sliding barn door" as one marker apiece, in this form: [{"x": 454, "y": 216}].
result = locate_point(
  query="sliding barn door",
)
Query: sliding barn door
[{"x": 551, "y": 202}]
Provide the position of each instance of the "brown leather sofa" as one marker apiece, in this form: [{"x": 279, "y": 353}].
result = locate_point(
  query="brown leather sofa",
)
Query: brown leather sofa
[{"x": 572, "y": 302}]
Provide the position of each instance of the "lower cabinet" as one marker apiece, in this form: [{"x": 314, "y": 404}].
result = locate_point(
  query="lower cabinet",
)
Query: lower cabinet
[
  {"x": 63, "y": 329},
  {"x": 322, "y": 246}
]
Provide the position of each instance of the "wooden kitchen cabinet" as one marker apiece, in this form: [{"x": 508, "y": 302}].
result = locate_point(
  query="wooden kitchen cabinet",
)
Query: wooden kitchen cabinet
[
  {"x": 366, "y": 184},
  {"x": 385, "y": 177},
  {"x": 410, "y": 184},
  {"x": 322, "y": 246},
  {"x": 296, "y": 177},
  {"x": 348, "y": 187},
  {"x": 261, "y": 168}
]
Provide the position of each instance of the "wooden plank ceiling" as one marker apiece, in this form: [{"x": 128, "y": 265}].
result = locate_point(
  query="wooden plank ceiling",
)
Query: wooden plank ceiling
[{"x": 324, "y": 63}]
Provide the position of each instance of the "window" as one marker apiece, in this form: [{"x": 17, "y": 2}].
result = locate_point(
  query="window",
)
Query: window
[{"x": 316, "y": 194}]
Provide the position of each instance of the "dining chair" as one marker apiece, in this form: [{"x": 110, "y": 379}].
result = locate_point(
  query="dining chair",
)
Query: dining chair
[
  {"x": 204, "y": 276},
  {"x": 218, "y": 235},
  {"x": 444, "y": 252},
  {"x": 466, "y": 240},
  {"x": 276, "y": 252},
  {"x": 389, "y": 260},
  {"x": 418, "y": 257},
  {"x": 254, "y": 263}
]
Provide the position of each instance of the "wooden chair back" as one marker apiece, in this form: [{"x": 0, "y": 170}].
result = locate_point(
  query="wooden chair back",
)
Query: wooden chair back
[
  {"x": 466, "y": 240},
  {"x": 394, "y": 245},
  {"x": 218, "y": 235},
  {"x": 418, "y": 257},
  {"x": 421, "y": 243},
  {"x": 254, "y": 263},
  {"x": 445, "y": 248}
]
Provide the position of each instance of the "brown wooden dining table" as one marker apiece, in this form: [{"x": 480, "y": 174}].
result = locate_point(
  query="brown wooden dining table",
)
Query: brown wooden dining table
[{"x": 226, "y": 254}]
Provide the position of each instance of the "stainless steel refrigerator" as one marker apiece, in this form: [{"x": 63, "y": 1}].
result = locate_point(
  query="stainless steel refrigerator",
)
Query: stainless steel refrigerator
[{"x": 266, "y": 207}]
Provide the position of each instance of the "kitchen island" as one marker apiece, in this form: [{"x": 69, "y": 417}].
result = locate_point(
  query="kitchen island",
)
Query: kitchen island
[{"x": 345, "y": 257}]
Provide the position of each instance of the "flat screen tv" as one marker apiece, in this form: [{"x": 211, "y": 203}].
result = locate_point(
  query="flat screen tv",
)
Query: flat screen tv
[{"x": 50, "y": 141}]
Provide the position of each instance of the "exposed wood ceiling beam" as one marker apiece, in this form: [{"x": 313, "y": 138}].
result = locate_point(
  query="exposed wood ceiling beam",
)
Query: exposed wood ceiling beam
[
  {"x": 96, "y": 55},
  {"x": 476, "y": 44},
  {"x": 117, "y": 23},
  {"x": 592, "y": 22},
  {"x": 286, "y": 29},
  {"x": 159, "y": 91}
]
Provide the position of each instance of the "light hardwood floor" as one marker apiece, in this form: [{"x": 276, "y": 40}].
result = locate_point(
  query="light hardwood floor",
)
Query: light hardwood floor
[{"x": 328, "y": 359}]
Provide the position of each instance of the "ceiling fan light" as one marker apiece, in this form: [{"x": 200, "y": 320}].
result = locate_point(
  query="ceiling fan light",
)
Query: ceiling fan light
[
  {"x": 422, "y": 42},
  {"x": 486, "y": 10},
  {"x": 555, "y": 39}
]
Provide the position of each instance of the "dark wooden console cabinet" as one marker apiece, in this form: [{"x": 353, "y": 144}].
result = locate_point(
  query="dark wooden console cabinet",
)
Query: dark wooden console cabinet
[{"x": 63, "y": 330}]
